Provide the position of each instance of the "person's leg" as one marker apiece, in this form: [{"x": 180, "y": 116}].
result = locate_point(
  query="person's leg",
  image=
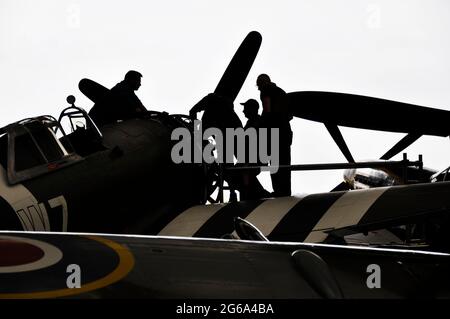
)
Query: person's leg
[{"x": 281, "y": 180}]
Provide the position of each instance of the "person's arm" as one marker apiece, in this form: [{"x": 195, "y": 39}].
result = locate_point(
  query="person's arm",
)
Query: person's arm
[
  {"x": 200, "y": 106},
  {"x": 139, "y": 106}
]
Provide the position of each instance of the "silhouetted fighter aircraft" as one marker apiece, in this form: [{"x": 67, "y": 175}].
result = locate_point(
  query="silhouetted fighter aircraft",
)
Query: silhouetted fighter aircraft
[{"x": 119, "y": 178}]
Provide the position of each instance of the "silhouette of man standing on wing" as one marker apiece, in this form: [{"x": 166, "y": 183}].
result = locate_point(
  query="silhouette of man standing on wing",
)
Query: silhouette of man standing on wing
[
  {"x": 250, "y": 111},
  {"x": 251, "y": 187},
  {"x": 121, "y": 103},
  {"x": 275, "y": 115},
  {"x": 219, "y": 113}
]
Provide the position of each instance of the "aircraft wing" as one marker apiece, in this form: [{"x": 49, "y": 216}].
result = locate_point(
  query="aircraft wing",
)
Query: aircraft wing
[
  {"x": 74, "y": 265},
  {"x": 368, "y": 113}
]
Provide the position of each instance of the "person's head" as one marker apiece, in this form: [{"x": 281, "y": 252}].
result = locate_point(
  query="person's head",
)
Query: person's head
[
  {"x": 262, "y": 81},
  {"x": 133, "y": 79},
  {"x": 250, "y": 108}
]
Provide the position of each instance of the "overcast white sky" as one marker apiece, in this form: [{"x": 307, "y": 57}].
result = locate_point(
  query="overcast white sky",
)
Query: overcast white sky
[{"x": 396, "y": 50}]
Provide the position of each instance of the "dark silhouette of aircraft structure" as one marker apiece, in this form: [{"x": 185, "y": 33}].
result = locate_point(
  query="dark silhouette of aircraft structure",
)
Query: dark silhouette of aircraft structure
[{"x": 119, "y": 178}]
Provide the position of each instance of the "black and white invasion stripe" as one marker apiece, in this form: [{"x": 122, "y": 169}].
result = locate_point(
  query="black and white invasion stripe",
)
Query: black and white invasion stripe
[{"x": 310, "y": 218}]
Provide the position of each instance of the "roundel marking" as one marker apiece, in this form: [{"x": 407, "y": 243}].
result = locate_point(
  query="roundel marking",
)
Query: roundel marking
[
  {"x": 35, "y": 264},
  {"x": 15, "y": 253},
  {"x": 20, "y": 254}
]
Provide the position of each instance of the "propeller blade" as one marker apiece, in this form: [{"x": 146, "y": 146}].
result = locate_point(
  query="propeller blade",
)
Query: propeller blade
[
  {"x": 235, "y": 74},
  {"x": 401, "y": 145},
  {"x": 339, "y": 140},
  {"x": 93, "y": 90},
  {"x": 368, "y": 113}
]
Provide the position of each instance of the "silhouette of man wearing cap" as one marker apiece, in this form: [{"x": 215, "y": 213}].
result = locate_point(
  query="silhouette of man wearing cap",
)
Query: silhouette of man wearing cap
[
  {"x": 275, "y": 115},
  {"x": 252, "y": 188},
  {"x": 219, "y": 113},
  {"x": 250, "y": 111},
  {"x": 121, "y": 102},
  {"x": 251, "y": 107}
]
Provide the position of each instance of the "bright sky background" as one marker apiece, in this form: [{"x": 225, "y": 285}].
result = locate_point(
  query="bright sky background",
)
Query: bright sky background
[{"x": 396, "y": 50}]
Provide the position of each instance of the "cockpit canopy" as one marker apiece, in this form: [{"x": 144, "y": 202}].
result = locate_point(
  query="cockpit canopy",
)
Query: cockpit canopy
[
  {"x": 39, "y": 145},
  {"x": 31, "y": 148}
]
